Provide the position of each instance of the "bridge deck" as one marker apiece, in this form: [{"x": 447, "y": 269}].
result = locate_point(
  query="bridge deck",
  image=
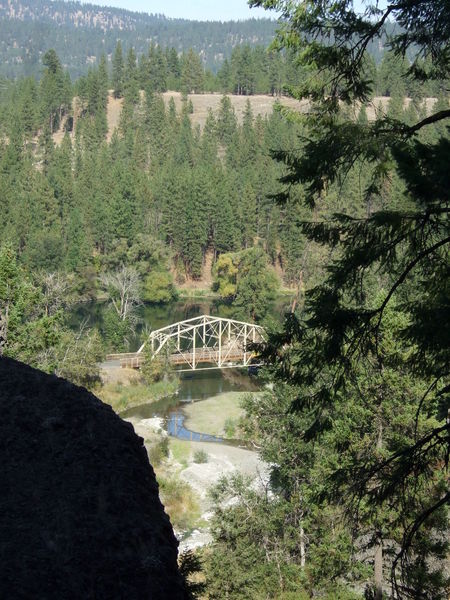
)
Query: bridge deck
[{"x": 202, "y": 355}]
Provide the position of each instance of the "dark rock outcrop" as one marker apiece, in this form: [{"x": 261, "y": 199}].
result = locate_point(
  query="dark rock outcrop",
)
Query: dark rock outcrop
[{"x": 80, "y": 515}]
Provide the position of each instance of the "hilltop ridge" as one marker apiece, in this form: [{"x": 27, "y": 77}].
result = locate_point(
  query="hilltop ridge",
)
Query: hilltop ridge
[{"x": 80, "y": 33}]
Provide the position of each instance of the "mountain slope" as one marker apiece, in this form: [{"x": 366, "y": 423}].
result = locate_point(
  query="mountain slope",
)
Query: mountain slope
[{"x": 80, "y": 33}]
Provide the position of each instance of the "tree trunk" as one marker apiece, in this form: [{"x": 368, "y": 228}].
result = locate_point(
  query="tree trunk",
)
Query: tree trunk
[
  {"x": 378, "y": 566},
  {"x": 302, "y": 548}
]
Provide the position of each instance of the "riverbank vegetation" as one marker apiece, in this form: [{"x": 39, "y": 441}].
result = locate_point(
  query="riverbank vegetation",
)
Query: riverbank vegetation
[
  {"x": 122, "y": 396},
  {"x": 181, "y": 502},
  {"x": 33, "y": 327}
]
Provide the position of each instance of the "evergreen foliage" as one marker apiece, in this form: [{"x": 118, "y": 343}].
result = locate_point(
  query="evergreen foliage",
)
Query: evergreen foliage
[
  {"x": 397, "y": 255},
  {"x": 358, "y": 463},
  {"x": 32, "y": 326},
  {"x": 118, "y": 71}
]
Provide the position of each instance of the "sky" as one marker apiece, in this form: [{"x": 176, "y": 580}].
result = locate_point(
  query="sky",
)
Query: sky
[{"x": 201, "y": 10}]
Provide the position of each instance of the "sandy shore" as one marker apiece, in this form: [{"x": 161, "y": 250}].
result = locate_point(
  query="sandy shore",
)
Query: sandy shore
[
  {"x": 207, "y": 416},
  {"x": 211, "y": 415},
  {"x": 222, "y": 460}
]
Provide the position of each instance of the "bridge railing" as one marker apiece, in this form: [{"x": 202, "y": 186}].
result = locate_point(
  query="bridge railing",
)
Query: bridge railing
[{"x": 120, "y": 356}]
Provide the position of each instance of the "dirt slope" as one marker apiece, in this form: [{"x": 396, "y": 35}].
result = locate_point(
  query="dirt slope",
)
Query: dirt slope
[{"x": 261, "y": 105}]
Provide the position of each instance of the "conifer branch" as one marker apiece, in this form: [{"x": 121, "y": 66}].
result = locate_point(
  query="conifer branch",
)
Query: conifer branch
[
  {"x": 403, "y": 276},
  {"x": 435, "y": 118},
  {"x": 411, "y": 532}
]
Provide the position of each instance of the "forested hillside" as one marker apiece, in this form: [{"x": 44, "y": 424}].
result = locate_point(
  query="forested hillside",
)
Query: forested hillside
[
  {"x": 81, "y": 33},
  {"x": 158, "y": 192},
  {"x": 351, "y": 218}
]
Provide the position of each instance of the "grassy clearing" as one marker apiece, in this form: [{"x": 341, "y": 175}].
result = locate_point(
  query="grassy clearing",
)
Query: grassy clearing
[
  {"x": 181, "y": 451},
  {"x": 122, "y": 397},
  {"x": 219, "y": 415},
  {"x": 180, "y": 501}
]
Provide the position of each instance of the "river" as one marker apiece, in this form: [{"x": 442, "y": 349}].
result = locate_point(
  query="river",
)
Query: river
[{"x": 194, "y": 387}]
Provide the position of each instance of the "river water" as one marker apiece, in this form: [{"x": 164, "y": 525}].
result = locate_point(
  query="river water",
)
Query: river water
[{"x": 194, "y": 387}]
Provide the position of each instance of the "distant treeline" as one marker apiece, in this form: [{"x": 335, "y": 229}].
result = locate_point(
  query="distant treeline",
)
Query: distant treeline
[
  {"x": 249, "y": 71},
  {"x": 81, "y": 33}
]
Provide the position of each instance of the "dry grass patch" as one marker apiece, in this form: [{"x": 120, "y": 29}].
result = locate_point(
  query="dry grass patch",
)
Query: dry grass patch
[
  {"x": 219, "y": 415},
  {"x": 180, "y": 501}
]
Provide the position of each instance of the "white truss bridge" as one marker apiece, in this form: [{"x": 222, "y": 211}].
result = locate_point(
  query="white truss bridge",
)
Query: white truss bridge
[{"x": 201, "y": 343}]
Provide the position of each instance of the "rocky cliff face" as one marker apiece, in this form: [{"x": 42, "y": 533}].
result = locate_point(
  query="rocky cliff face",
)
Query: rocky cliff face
[{"x": 80, "y": 515}]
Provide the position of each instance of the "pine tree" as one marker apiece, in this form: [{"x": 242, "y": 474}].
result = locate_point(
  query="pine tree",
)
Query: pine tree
[
  {"x": 226, "y": 121},
  {"x": 77, "y": 251},
  {"x": 405, "y": 244},
  {"x": 248, "y": 145},
  {"x": 244, "y": 72},
  {"x": 174, "y": 69},
  {"x": 195, "y": 222},
  {"x": 192, "y": 73},
  {"x": 60, "y": 178},
  {"x": 118, "y": 69},
  {"x": 224, "y": 77},
  {"x": 103, "y": 81},
  {"x": 28, "y": 103},
  {"x": 184, "y": 149},
  {"x": 276, "y": 74},
  {"x": 249, "y": 216},
  {"x": 131, "y": 81},
  {"x": 209, "y": 146},
  {"x": 223, "y": 223},
  {"x": 159, "y": 73},
  {"x": 53, "y": 90}
]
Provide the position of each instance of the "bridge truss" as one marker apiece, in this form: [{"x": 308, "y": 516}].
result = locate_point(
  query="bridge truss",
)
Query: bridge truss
[{"x": 215, "y": 342}]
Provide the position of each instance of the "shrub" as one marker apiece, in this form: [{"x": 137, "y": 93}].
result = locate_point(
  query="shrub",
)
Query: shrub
[
  {"x": 157, "y": 452},
  {"x": 200, "y": 457},
  {"x": 159, "y": 288},
  {"x": 180, "y": 502},
  {"x": 230, "y": 428}
]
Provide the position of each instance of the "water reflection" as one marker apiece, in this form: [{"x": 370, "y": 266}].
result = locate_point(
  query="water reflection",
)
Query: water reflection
[{"x": 153, "y": 317}]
